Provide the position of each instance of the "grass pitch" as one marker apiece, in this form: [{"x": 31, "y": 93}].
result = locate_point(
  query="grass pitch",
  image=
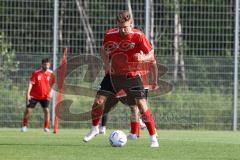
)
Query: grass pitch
[{"x": 68, "y": 145}]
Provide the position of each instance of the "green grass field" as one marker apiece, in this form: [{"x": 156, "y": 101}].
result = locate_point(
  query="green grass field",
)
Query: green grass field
[{"x": 68, "y": 145}]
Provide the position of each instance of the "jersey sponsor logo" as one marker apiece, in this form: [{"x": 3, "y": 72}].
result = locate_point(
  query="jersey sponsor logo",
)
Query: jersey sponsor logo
[
  {"x": 125, "y": 45},
  {"x": 110, "y": 46}
]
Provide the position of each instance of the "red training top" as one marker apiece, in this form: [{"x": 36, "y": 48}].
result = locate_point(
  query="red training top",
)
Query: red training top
[
  {"x": 42, "y": 83},
  {"x": 121, "y": 50}
]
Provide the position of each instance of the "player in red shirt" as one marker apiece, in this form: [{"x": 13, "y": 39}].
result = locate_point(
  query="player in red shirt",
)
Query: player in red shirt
[
  {"x": 126, "y": 54},
  {"x": 39, "y": 90}
]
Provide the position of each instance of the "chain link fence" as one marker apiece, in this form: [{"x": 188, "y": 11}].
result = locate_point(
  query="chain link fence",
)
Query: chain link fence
[{"x": 193, "y": 39}]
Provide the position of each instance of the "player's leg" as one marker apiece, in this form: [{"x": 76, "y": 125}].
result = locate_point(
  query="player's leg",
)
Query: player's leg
[
  {"x": 105, "y": 91},
  {"x": 97, "y": 109},
  {"x": 135, "y": 114},
  {"x": 134, "y": 118},
  {"x": 142, "y": 124},
  {"x": 96, "y": 113},
  {"x": 135, "y": 126},
  {"x": 46, "y": 111},
  {"x": 136, "y": 123},
  {"x": 148, "y": 120},
  {"x": 139, "y": 94},
  {"x": 26, "y": 119},
  {"x": 46, "y": 119},
  {"x": 110, "y": 104},
  {"x": 29, "y": 107}
]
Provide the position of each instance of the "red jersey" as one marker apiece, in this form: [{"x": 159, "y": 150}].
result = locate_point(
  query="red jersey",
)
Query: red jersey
[
  {"x": 41, "y": 84},
  {"x": 122, "y": 50}
]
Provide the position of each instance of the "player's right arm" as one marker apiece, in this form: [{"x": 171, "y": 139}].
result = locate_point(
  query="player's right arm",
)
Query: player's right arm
[
  {"x": 30, "y": 85},
  {"x": 108, "y": 46},
  {"x": 28, "y": 97},
  {"x": 105, "y": 58},
  {"x": 105, "y": 54}
]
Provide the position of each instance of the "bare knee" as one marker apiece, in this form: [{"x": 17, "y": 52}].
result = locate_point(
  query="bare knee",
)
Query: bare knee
[
  {"x": 27, "y": 111},
  {"x": 134, "y": 109},
  {"x": 142, "y": 105},
  {"x": 134, "y": 113},
  {"x": 99, "y": 100},
  {"x": 46, "y": 110}
]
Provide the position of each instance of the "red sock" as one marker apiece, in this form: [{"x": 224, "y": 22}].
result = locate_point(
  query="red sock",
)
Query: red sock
[
  {"x": 96, "y": 114},
  {"x": 25, "y": 122},
  {"x": 149, "y": 121},
  {"x": 46, "y": 124},
  {"x": 135, "y": 127}
]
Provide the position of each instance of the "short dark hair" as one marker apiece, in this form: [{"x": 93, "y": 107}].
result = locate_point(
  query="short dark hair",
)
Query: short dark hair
[
  {"x": 45, "y": 60},
  {"x": 123, "y": 16}
]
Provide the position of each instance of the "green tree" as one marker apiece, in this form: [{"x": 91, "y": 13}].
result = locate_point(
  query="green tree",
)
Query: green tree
[{"x": 8, "y": 64}]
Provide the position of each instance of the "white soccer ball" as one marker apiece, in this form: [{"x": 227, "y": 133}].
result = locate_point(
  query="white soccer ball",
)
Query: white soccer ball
[{"x": 118, "y": 138}]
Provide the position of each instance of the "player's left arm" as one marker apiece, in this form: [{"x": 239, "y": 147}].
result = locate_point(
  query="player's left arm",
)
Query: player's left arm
[
  {"x": 141, "y": 56},
  {"x": 146, "y": 52},
  {"x": 150, "y": 60},
  {"x": 146, "y": 55},
  {"x": 52, "y": 85},
  {"x": 154, "y": 73}
]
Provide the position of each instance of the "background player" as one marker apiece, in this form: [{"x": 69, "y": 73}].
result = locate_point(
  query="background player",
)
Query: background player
[{"x": 39, "y": 90}]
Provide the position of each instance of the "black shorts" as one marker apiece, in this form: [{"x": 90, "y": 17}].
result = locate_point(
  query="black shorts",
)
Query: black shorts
[
  {"x": 33, "y": 102},
  {"x": 132, "y": 86},
  {"x": 106, "y": 87},
  {"x": 110, "y": 104}
]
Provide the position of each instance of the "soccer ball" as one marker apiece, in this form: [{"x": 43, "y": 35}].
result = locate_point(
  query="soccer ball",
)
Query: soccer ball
[{"x": 118, "y": 138}]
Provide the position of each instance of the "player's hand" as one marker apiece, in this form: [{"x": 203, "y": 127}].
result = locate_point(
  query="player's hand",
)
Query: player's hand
[
  {"x": 28, "y": 99},
  {"x": 144, "y": 57},
  {"x": 154, "y": 86},
  {"x": 139, "y": 56},
  {"x": 50, "y": 96}
]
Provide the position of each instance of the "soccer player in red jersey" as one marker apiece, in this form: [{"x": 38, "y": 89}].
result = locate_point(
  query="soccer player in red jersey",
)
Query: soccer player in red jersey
[
  {"x": 39, "y": 90},
  {"x": 125, "y": 53}
]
